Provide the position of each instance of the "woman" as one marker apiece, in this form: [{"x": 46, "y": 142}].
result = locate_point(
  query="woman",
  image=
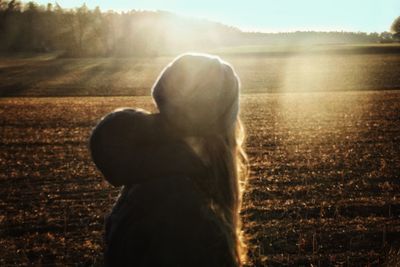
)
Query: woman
[{"x": 183, "y": 170}]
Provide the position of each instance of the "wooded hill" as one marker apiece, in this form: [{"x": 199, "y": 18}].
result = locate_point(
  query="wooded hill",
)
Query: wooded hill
[{"x": 84, "y": 32}]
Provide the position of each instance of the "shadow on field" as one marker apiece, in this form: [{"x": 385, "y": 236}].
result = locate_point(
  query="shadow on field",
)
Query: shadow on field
[{"x": 301, "y": 69}]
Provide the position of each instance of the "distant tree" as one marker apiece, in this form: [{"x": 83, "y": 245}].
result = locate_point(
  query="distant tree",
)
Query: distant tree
[
  {"x": 386, "y": 37},
  {"x": 395, "y": 28},
  {"x": 29, "y": 37},
  {"x": 109, "y": 29},
  {"x": 6, "y": 8},
  {"x": 83, "y": 17}
]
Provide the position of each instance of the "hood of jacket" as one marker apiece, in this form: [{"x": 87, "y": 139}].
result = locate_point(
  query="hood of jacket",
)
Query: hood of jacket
[{"x": 131, "y": 146}]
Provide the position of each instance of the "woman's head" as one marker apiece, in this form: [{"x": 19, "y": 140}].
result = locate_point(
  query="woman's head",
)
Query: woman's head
[
  {"x": 198, "y": 97},
  {"x": 198, "y": 94}
]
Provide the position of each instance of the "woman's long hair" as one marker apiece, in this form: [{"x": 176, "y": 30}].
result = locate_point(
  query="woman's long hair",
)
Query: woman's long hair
[{"x": 227, "y": 163}]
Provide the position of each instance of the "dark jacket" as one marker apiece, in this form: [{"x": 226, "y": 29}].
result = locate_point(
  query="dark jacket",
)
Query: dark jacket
[{"x": 161, "y": 218}]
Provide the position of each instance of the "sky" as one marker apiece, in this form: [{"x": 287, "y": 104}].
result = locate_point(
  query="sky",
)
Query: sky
[{"x": 269, "y": 15}]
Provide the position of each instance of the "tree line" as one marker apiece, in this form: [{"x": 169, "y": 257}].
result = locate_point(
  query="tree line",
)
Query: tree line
[{"x": 29, "y": 27}]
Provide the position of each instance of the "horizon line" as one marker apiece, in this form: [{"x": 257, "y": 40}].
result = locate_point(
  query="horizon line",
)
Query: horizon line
[{"x": 240, "y": 28}]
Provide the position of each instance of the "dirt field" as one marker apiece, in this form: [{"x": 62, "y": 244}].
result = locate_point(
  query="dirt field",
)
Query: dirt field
[{"x": 324, "y": 189}]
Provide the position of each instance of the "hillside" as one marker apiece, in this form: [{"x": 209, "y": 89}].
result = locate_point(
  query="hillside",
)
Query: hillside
[{"x": 81, "y": 32}]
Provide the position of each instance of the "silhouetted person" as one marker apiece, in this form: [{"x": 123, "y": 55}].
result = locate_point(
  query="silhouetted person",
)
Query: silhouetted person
[{"x": 182, "y": 170}]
